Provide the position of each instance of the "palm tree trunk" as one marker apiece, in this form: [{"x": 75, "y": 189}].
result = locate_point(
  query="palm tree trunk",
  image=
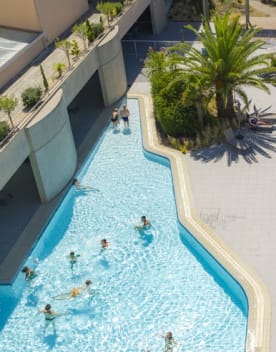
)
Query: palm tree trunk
[
  {"x": 199, "y": 111},
  {"x": 230, "y": 112},
  {"x": 221, "y": 111},
  {"x": 11, "y": 121}
]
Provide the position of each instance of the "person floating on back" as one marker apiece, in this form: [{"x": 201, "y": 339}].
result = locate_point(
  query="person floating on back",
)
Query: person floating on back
[
  {"x": 145, "y": 223},
  {"x": 81, "y": 187},
  {"x": 29, "y": 273},
  {"x": 73, "y": 259},
  {"x": 75, "y": 292}
]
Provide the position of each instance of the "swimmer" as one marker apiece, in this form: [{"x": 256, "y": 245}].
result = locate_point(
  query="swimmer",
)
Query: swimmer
[
  {"x": 76, "y": 291},
  {"x": 145, "y": 223},
  {"x": 49, "y": 315},
  {"x": 81, "y": 187},
  {"x": 104, "y": 244},
  {"x": 29, "y": 273},
  {"x": 73, "y": 258},
  {"x": 170, "y": 342}
]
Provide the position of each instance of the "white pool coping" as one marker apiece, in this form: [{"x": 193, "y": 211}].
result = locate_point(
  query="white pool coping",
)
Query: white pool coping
[{"x": 259, "y": 304}]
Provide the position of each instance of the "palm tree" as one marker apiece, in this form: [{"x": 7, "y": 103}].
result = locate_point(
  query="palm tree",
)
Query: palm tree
[
  {"x": 8, "y": 104},
  {"x": 65, "y": 46},
  {"x": 230, "y": 61}
]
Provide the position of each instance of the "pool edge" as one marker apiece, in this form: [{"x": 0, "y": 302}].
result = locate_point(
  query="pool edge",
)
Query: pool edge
[{"x": 259, "y": 311}]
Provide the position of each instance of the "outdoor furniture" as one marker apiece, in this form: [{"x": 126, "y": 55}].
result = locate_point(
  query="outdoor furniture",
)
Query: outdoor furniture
[
  {"x": 232, "y": 140},
  {"x": 260, "y": 125}
]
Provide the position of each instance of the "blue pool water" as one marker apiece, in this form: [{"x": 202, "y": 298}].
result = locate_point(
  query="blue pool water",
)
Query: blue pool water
[{"x": 145, "y": 283}]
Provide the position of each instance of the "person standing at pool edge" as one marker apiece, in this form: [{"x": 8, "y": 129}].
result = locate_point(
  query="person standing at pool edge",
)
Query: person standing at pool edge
[
  {"x": 115, "y": 118},
  {"x": 125, "y": 116}
]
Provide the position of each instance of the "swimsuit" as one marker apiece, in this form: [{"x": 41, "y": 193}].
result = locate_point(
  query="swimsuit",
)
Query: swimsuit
[
  {"x": 49, "y": 317},
  {"x": 114, "y": 118}
]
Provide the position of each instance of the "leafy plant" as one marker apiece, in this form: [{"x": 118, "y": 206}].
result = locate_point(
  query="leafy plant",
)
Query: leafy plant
[
  {"x": 8, "y": 104},
  {"x": 31, "y": 96},
  {"x": 80, "y": 30},
  {"x": 75, "y": 50},
  {"x": 44, "y": 79},
  {"x": 4, "y": 129},
  {"x": 89, "y": 32},
  {"x": 65, "y": 46},
  {"x": 109, "y": 9},
  {"x": 60, "y": 68}
]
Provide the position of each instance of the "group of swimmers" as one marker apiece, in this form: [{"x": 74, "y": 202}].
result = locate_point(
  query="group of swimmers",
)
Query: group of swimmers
[
  {"x": 124, "y": 114},
  {"x": 50, "y": 314}
]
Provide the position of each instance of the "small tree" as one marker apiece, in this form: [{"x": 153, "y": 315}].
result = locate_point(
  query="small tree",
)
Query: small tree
[
  {"x": 107, "y": 8},
  {"x": 65, "y": 46},
  {"x": 75, "y": 50},
  {"x": 44, "y": 79},
  {"x": 59, "y": 67},
  {"x": 8, "y": 104},
  {"x": 80, "y": 30},
  {"x": 89, "y": 31}
]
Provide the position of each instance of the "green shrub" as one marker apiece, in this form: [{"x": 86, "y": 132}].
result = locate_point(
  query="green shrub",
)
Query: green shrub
[
  {"x": 97, "y": 29},
  {"x": 31, "y": 96},
  {"x": 59, "y": 67},
  {"x": 4, "y": 129},
  {"x": 273, "y": 61},
  {"x": 75, "y": 50}
]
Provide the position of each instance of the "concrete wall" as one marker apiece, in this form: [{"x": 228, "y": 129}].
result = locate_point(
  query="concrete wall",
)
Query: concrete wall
[
  {"x": 12, "y": 156},
  {"x": 80, "y": 76},
  {"x": 158, "y": 16},
  {"x": 20, "y": 60},
  {"x": 19, "y": 14},
  {"x": 55, "y": 16},
  {"x": 52, "y": 17},
  {"x": 112, "y": 68},
  {"x": 53, "y": 154}
]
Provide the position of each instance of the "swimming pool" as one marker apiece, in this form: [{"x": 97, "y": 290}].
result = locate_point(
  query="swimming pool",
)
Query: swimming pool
[{"x": 145, "y": 283}]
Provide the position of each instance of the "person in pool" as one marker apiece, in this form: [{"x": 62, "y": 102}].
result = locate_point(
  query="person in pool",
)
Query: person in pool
[
  {"x": 170, "y": 342},
  {"x": 73, "y": 258},
  {"x": 76, "y": 291},
  {"x": 50, "y": 316},
  {"x": 104, "y": 244},
  {"x": 125, "y": 116},
  {"x": 145, "y": 223},
  {"x": 81, "y": 187},
  {"x": 115, "y": 118},
  {"x": 29, "y": 273}
]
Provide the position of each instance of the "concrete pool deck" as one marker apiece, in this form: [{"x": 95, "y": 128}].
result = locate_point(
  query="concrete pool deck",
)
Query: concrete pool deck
[{"x": 234, "y": 195}]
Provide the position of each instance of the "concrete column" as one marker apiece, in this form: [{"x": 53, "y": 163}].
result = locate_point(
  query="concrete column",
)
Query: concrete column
[
  {"x": 53, "y": 153},
  {"x": 158, "y": 15},
  {"x": 112, "y": 72}
]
